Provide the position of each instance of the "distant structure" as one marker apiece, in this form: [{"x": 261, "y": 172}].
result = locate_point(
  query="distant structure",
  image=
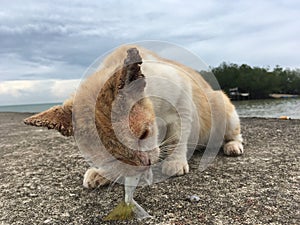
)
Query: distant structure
[
  {"x": 236, "y": 94},
  {"x": 283, "y": 96}
]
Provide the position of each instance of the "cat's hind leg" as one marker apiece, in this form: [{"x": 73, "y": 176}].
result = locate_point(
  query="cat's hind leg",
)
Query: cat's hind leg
[{"x": 233, "y": 139}]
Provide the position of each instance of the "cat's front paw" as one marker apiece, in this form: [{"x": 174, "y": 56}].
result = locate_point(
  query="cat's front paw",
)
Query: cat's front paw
[
  {"x": 93, "y": 178},
  {"x": 233, "y": 148},
  {"x": 175, "y": 167}
]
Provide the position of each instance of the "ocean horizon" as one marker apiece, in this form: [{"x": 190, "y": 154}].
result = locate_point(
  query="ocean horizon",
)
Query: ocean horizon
[{"x": 28, "y": 108}]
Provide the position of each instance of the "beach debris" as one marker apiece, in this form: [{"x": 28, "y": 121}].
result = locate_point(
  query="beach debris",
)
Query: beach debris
[
  {"x": 123, "y": 211},
  {"x": 284, "y": 118},
  {"x": 129, "y": 208},
  {"x": 193, "y": 198}
]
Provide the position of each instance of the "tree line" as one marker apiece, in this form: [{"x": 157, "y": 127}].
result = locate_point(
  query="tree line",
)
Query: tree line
[{"x": 257, "y": 81}]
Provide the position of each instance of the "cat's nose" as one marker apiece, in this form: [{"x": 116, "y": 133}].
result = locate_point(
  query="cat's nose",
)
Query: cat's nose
[{"x": 144, "y": 158}]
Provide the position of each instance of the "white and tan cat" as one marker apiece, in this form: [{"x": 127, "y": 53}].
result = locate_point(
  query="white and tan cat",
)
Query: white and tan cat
[{"x": 153, "y": 102}]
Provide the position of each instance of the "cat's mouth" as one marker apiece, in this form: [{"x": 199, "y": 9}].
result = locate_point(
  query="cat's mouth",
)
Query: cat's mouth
[{"x": 142, "y": 160}]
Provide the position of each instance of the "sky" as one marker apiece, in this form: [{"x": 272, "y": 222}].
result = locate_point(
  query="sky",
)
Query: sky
[{"x": 46, "y": 46}]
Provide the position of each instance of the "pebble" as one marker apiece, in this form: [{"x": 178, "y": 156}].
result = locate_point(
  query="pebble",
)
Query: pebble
[
  {"x": 33, "y": 195},
  {"x": 47, "y": 221},
  {"x": 194, "y": 198},
  {"x": 66, "y": 214}
]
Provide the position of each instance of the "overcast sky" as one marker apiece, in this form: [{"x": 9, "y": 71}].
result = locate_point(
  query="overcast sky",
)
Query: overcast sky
[{"x": 45, "y": 46}]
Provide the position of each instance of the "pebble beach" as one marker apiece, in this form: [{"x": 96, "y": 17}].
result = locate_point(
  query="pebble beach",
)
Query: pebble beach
[{"x": 42, "y": 172}]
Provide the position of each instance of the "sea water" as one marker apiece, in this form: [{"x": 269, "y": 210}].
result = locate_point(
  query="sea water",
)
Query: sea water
[
  {"x": 270, "y": 108},
  {"x": 34, "y": 108}
]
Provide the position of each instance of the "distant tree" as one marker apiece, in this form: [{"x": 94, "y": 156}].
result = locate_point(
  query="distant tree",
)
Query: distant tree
[{"x": 259, "y": 82}]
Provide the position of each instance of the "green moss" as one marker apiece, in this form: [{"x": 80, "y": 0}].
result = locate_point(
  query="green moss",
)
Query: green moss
[{"x": 123, "y": 211}]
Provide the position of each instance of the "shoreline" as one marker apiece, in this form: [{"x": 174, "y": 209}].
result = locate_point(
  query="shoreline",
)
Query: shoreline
[
  {"x": 241, "y": 117},
  {"x": 42, "y": 172}
]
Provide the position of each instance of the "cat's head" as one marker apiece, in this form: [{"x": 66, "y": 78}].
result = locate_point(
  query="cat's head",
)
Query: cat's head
[
  {"x": 127, "y": 115},
  {"x": 123, "y": 114}
]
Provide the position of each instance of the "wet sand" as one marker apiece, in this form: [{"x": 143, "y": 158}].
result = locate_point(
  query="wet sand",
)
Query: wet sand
[{"x": 42, "y": 172}]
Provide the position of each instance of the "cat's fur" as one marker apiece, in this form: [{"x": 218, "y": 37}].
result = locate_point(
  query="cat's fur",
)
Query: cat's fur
[{"x": 99, "y": 95}]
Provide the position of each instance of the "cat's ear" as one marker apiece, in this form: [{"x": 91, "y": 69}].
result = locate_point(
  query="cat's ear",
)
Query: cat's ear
[
  {"x": 131, "y": 75},
  {"x": 58, "y": 118}
]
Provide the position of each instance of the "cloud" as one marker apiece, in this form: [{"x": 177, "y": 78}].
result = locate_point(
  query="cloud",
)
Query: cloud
[
  {"x": 63, "y": 88},
  {"x": 15, "y": 88},
  {"x": 36, "y": 91},
  {"x": 37, "y": 67},
  {"x": 44, "y": 40}
]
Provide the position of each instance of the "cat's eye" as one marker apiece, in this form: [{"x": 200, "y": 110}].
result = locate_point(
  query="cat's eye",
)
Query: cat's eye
[{"x": 145, "y": 134}]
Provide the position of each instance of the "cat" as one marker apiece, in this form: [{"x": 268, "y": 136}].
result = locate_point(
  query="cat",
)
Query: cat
[{"x": 142, "y": 106}]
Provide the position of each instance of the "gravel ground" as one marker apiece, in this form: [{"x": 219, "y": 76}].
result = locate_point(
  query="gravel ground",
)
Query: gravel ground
[{"x": 42, "y": 172}]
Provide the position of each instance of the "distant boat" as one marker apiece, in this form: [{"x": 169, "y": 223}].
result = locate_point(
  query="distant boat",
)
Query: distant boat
[
  {"x": 245, "y": 94},
  {"x": 236, "y": 94},
  {"x": 283, "y": 96}
]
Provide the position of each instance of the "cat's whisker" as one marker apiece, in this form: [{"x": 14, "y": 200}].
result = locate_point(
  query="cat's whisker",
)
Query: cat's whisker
[
  {"x": 169, "y": 139},
  {"x": 167, "y": 150},
  {"x": 112, "y": 184},
  {"x": 171, "y": 146}
]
